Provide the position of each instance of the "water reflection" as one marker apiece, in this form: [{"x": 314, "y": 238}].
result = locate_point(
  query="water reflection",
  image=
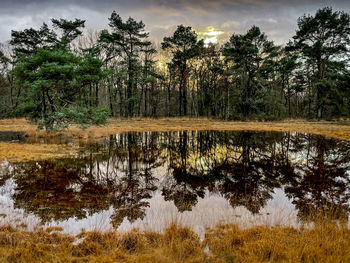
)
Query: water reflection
[
  {"x": 123, "y": 173},
  {"x": 11, "y": 136}
]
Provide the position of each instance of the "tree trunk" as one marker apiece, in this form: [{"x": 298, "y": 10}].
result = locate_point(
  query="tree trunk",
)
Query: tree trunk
[
  {"x": 43, "y": 107},
  {"x": 96, "y": 95},
  {"x": 146, "y": 100},
  {"x": 110, "y": 101},
  {"x": 185, "y": 89},
  {"x": 169, "y": 95},
  {"x": 129, "y": 89}
]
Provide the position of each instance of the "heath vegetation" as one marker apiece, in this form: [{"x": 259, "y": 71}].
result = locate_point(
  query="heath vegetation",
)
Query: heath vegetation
[
  {"x": 55, "y": 75},
  {"x": 325, "y": 242},
  {"x": 62, "y": 89}
]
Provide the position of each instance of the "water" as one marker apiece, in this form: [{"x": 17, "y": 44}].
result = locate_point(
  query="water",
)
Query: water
[
  {"x": 199, "y": 179},
  {"x": 10, "y": 136}
]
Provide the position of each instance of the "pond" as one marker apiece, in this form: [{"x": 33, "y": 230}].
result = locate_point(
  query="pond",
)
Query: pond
[
  {"x": 10, "y": 136},
  {"x": 196, "y": 178}
]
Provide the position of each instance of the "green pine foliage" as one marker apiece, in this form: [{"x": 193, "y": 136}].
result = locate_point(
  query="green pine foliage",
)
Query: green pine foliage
[
  {"x": 56, "y": 76},
  {"x": 53, "y": 80}
]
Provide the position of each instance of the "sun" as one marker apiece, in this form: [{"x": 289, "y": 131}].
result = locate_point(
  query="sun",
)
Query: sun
[{"x": 210, "y": 35}]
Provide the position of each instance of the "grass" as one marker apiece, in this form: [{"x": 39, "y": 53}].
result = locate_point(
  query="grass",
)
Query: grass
[
  {"x": 325, "y": 242},
  {"x": 337, "y": 129},
  {"x": 15, "y": 152}
]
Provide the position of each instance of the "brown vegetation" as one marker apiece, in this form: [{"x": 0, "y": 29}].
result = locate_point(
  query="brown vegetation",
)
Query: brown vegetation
[
  {"x": 336, "y": 129},
  {"x": 17, "y": 152},
  {"x": 227, "y": 243},
  {"x": 326, "y": 242}
]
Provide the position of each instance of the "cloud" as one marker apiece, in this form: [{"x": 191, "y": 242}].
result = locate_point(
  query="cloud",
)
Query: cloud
[{"x": 277, "y": 18}]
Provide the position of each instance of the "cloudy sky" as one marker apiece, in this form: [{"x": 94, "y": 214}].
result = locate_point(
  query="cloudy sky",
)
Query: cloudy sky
[{"x": 277, "y": 18}]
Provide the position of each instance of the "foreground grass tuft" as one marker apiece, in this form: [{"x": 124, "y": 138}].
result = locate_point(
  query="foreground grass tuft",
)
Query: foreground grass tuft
[{"x": 325, "y": 242}]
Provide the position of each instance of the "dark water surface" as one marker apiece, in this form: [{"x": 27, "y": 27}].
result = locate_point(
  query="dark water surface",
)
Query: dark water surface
[
  {"x": 11, "y": 136},
  {"x": 197, "y": 178}
]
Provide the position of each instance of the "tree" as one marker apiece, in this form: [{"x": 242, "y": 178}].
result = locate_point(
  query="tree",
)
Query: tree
[
  {"x": 323, "y": 43},
  {"x": 54, "y": 79},
  {"x": 5, "y": 85},
  {"x": 129, "y": 38},
  {"x": 3, "y": 61},
  {"x": 287, "y": 66},
  {"x": 247, "y": 77},
  {"x": 252, "y": 61},
  {"x": 28, "y": 41},
  {"x": 70, "y": 30},
  {"x": 148, "y": 81},
  {"x": 184, "y": 46}
]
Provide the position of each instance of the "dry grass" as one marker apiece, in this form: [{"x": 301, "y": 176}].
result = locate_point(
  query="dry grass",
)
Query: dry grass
[
  {"x": 324, "y": 243},
  {"x": 337, "y": 129},
  {"x": 16, "y": 152}
]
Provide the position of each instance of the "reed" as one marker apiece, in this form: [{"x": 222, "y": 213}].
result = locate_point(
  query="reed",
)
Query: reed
[{"x": 325, "y": 242}]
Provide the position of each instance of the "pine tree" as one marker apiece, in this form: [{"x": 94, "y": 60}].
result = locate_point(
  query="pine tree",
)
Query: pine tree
[
  {"x": 323, "y": 42},
  {"x": 184, "y": 46},
  {"x": 252, "y": 58},
  {"x": 129, "y": 38}
]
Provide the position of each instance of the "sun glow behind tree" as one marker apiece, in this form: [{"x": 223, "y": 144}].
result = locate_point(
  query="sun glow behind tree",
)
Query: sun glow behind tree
[{"x": 210, "y": 35}]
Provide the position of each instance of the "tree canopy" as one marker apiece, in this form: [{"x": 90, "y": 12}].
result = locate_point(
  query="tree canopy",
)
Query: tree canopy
[{"x": 60, "y": 73}]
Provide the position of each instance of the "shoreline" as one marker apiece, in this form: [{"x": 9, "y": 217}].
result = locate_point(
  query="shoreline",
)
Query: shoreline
[
  {"x": 41, "y": 150},
  {"x": 321, "y": 241},
  {"x": 337, "y": 129}
]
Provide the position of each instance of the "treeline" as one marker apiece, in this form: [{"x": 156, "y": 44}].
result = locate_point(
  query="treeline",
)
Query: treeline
[{"x": 55, "y": 75}]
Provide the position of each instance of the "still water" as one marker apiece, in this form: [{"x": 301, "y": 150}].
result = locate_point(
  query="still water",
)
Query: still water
[{"x": 198, "y": 178}]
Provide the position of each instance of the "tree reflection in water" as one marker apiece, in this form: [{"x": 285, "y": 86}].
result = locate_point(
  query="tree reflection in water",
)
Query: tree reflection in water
[{"x": 124, "y": 171}]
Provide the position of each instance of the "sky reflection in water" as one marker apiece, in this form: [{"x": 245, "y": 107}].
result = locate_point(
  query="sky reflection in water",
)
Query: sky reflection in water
[{"x": 198, "y": 178}]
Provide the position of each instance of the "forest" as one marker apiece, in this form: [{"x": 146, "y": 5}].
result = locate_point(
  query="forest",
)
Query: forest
[{"x": 61, "y": 73}]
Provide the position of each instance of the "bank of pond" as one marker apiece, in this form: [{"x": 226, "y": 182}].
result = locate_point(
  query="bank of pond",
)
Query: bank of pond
[{"x": 196, "y": 178}]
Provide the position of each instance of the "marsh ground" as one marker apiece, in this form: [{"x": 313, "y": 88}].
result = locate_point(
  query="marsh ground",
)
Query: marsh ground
[
  {"x": 40, "y": 149},
  {"x": 324, "y": 242},
  {"x": 226, "y": 243}
]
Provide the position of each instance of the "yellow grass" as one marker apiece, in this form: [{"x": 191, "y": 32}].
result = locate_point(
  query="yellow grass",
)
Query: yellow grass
[
  {"x": 16, "y": 152},
  {"x": 324, "y": 243},
  {"x": 336, "y": 129}
]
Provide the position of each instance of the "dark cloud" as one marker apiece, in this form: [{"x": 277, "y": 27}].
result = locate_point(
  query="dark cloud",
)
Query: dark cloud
[{"x": 276, "y": 17}]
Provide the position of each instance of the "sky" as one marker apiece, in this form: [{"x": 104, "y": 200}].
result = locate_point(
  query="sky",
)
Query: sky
[{"x": 214, "y": 20}]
